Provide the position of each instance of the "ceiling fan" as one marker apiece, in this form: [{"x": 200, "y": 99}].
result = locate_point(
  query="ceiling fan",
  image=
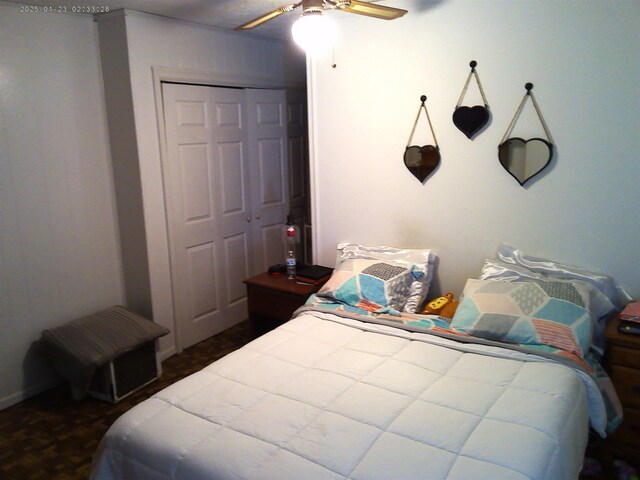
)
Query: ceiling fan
[{"x": 311, "y": 7}]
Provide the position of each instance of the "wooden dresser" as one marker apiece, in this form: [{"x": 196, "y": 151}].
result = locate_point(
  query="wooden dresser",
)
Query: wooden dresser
[{"x": 623, "y": 365}]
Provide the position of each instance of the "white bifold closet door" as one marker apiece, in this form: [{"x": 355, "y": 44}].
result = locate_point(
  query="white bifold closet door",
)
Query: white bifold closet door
[{"x": 227, "y": 197}]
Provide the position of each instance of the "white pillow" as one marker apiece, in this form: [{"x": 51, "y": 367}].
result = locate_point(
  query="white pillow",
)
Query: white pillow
[
  {"x": 616, "y": 294},
  {"x": 605, "y": 296},
  {"x": 422, "y": 260},
  {"x": 371, "y": 284},
  {"x": 599, "y": 304}
]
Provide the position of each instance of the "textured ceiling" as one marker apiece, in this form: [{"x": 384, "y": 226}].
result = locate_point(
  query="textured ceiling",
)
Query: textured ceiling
[{"x": 226, "y": 14}]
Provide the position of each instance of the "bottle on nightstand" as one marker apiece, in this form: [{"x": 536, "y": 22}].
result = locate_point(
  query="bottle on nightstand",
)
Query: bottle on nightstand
[
  {"x": 291, "y": 234},
  {"x": 291, "y": 265}
]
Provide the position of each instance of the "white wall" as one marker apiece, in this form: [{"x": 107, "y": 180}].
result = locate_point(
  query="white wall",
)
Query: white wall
[
  {"x": 60, "y": 252},
  {"x": 59, "y": 255},
  {"x": 201, "y": 52},
  {"x": 582, "y": 58}
]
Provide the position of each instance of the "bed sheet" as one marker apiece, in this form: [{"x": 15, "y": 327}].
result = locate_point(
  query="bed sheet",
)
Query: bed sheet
[{"x": 326, "y": 396}]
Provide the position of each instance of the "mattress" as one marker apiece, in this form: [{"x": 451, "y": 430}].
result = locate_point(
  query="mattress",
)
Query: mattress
[{"x": 326, "y": 396}]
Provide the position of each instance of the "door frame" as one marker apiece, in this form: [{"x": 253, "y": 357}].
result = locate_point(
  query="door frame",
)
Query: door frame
[{"x": 173, "y": 75}]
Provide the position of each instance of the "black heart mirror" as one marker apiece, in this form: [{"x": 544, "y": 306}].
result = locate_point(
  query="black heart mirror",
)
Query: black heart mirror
[
  {"x": 422, "y": 161},
  {"x": 470, "y": 120},
  {"x": 524, "y": 159}
]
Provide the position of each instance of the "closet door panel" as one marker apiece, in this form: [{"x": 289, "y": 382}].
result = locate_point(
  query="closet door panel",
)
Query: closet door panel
[
  {"x": 272, "y": 244},
  {"x": 271, "y": 165},
  {"x": 267, "y": 126},
  {"x": 201, "y": 261},
  {"x": 234, "y": 198},
  {"x": 296, "y": 169},
  {"x": 236, "y": 264},
  {"x": 232, "y": 170},
  {"x": 299, "y": 168},
  {"x": 208, "y": 203},
  {"x": 227, "y": 191}
]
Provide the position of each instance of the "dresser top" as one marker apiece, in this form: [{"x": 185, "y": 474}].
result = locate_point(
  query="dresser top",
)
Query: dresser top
[{"x": 614, "y": 337}]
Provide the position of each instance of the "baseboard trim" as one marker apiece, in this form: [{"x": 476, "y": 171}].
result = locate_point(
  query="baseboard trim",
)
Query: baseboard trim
[{"x": 26, "y": 393}]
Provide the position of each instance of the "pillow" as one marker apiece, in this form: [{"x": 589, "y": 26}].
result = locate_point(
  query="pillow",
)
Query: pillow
[
  {"x": 606, "y": 296},
  {"x": 372, "y": 285},
  {"x": 599, "y": 304},
  {"x": 549, "y": 313},
  {"x": 422, "y": 261},
  {"x": 605, "y": 284}
]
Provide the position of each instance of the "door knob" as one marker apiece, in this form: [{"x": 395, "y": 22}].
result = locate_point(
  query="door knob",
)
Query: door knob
[
  {"x": 258, "y": 217},
  {"x": 248, "y": 218}
]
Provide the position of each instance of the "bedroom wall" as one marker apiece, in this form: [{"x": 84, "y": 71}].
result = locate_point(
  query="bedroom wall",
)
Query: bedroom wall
[
  {"x": 582, "y": 59},
  {"x": 188, "y": 50},
  {"x": 60, "y": 251},
  {"x": 59, "y": 254}
]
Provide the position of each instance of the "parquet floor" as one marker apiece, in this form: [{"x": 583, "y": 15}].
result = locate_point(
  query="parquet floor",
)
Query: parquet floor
[{"x": 52, "y": 437}]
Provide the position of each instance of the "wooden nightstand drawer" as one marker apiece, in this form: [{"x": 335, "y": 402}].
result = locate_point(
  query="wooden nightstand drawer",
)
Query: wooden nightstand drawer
[
  {"x": 274, "y": 298},
  {"x": 626, "y": 357},
  {"x": 627, "y": 384},
  {"x": 271, "y": 304},
  {"x": 628, "y": 433},
  {"x": 623, "y": 364}
]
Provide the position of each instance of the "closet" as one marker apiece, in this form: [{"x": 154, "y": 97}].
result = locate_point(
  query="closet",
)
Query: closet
[{"x": 233, "y": 169}]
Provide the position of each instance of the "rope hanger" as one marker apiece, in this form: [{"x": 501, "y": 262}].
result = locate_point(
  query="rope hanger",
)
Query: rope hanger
[
  {"x": 528, "y": 86},
  {"x": 473, "y": 64},
  {"x": 423, "y": 106}
]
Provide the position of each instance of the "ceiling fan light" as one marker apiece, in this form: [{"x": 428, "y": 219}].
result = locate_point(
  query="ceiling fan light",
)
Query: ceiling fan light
[{"x": 313, "y": 32}]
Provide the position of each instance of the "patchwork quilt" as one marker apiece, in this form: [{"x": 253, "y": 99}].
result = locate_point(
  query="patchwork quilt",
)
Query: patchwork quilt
[{"x": 339, "y": 393}]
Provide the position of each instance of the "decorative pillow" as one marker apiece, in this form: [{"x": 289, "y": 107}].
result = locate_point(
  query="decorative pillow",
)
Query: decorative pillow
[
  {"x": 605, "y": 284},
  {"x": 550, "y": 313},
  {"x": 372, "y": 285},
  {"x": 422, "y": 261},
  {"x": 600, "y": 305}
]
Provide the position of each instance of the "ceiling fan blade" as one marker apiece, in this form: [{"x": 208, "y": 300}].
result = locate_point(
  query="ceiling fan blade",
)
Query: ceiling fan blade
[
  {"x": 372, "y": 10},
  {"x": 267, "y": 16}
]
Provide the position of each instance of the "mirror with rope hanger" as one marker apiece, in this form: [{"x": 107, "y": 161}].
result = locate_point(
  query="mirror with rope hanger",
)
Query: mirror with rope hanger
[
  {"x": 422, "y": 161},
  {"x": 524, "y": 159},
  {"x": 472, "y": 120}
]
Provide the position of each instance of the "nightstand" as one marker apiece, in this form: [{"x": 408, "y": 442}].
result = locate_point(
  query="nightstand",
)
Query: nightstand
[
  {"x": 623, "y": 365},
  {"x": 273, "y": 299}
]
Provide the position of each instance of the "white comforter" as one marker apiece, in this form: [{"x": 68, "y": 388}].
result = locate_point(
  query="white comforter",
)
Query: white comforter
[{"x": 324, "y": 397}]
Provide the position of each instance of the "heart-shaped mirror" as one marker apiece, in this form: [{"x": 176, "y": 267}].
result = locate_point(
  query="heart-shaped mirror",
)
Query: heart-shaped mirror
[
  {"x": 524, "y": 159},
  {"x": 422, "y": 161},
  {"x": 470, "y": 120}
]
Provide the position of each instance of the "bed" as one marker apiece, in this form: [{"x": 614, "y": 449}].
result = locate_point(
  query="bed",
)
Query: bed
[{"x": 342, "y": 391}]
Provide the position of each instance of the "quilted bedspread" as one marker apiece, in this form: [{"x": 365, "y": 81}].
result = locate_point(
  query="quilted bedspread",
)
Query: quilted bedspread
[{"x": 326, "y": 396}]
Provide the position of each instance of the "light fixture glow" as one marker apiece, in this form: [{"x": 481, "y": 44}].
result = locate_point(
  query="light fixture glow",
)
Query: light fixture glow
[{"x": 313, "y": 32}]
